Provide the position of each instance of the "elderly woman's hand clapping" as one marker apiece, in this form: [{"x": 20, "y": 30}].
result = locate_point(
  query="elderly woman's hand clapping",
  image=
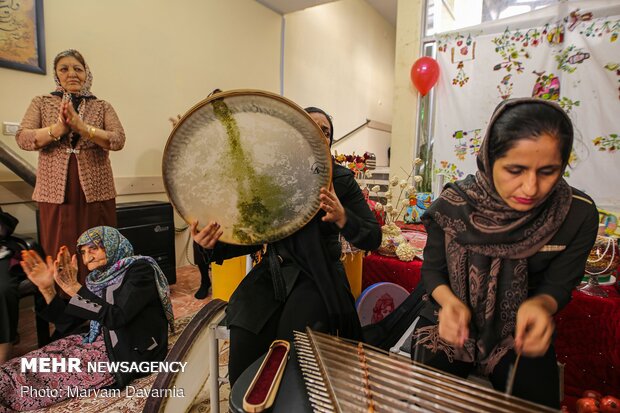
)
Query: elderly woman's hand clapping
[
  {"x": 66, "y": 272},
  {"x": 39, "y": 272}
]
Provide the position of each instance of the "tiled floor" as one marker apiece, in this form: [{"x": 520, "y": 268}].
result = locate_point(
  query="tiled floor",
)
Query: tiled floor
[{"x": 183, "y": 303}]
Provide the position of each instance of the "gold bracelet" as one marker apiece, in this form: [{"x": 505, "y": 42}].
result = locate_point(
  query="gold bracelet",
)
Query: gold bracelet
[
  {"x": 54, "y": 138},
  {"x": 91, "y": 132}
]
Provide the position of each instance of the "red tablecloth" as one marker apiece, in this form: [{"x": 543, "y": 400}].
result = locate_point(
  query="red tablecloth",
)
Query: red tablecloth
[
  {"x": 588, "y": 329},
  {"x": 379, "y": 268},
  {"x": 588, "y": 342}
]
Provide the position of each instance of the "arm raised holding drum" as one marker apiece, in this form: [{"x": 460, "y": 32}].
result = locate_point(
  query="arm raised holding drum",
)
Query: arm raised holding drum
[{"x": 300, "y": 281}]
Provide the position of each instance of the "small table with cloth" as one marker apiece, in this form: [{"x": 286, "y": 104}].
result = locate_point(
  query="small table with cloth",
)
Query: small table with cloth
[
  {"x": 588, "y": 343},
  {"x": 381, "y": 268}
]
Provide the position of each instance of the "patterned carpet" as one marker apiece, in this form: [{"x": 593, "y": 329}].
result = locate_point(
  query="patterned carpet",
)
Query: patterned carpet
[{"x": 185, "y": 307}]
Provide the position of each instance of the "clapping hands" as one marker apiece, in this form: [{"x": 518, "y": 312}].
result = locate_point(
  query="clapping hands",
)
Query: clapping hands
[
  {"x": 39, "y": 272},
  {"x": 71, "y": 118},
  {"x": 43, "y": 273},
  {"x": 66, "y": 271}
]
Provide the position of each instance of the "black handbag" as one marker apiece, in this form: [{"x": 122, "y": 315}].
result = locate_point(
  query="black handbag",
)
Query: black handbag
[{"x": 7, "y": 224}]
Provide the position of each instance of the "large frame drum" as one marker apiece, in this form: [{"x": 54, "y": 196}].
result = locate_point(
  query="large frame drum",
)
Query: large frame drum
[{"x": 251, "y": 160}]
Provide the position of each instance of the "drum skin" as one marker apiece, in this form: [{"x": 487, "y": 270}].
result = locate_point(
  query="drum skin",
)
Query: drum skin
[{"x": 250, "y": 160}]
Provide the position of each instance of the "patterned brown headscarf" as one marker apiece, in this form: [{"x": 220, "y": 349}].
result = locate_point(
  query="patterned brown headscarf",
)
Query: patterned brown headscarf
[{"x": 487, "y": 245}]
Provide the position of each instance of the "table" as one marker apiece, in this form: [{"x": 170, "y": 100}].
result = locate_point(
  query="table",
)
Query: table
[
  {"x": 587, "y": 329},
  {"x": 588, "y": 342},
  {"x": 380, "y": 268}
]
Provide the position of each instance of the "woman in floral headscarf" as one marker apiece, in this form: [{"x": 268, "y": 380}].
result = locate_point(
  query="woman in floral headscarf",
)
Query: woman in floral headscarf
[
  {"x": 73, "y": 132},
  {"x": 127, "y": 300},
  {"x": 505, "y": 248}
]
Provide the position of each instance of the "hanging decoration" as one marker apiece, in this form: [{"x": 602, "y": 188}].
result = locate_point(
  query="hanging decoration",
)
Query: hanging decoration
[
  {"x": 461, "y": 77},
  {"x": 603, "y": 28},
  {"x": 570, "y": 57},
  {"x": 615, "y": 67},
  {"x": 557, "y": 53},
  {"x": 608, "y": 143},
  {"x": 508, "y": 47},
  {"x": 555, "y": 35},
  {"x": 575, "y": 17},
  {"x": 547, "y": 86},
  {"x": 467, "y": 141},
  {"x": 449, "y": 171},
  {"x": 505, "y": 87},
  {"x": 424, "y": 74},
  {"x": 463, "y": 50}
]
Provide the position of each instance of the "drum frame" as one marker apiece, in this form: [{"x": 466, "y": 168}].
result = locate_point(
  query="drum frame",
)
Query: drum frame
[{"x": 233, "y": 93}]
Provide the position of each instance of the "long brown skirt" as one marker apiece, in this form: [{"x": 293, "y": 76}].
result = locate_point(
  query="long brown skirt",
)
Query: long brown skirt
[{"x": 62, "y": 224}]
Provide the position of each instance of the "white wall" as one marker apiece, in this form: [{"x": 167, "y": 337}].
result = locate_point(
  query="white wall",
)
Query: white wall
[
  {"x": 340, "y": 57},
  {"x": 154, "y": 59},
  {"x": 151, "y": 60}
]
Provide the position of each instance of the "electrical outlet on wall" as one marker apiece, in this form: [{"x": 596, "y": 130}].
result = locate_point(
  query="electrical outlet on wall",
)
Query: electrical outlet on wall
[{"x": 9, "y": 128}]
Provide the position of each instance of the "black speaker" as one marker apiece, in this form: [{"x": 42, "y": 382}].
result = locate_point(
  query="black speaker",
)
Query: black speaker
[{"x": 149, "y": 226}]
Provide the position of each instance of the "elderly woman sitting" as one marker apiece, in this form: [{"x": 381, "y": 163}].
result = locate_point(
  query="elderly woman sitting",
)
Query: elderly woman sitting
[{"x": 127, "y": 300}]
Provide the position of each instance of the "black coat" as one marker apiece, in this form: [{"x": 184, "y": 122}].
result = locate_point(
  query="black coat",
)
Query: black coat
[
  {"x": 313, "y": 251},
  {"x": 132, "y": 318}
]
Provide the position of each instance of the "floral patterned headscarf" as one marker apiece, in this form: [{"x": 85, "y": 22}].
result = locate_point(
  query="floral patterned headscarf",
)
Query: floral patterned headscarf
[
  {"x": 78, "y": 100},
  {"x": 119, "y": 255}
]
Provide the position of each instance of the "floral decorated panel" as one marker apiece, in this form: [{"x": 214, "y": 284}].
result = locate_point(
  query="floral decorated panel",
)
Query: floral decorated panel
[{"x": 568, "y": 53}]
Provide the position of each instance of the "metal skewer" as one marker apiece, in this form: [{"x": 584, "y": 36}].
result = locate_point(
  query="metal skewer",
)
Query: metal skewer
[{"x": 511, "y": 375}]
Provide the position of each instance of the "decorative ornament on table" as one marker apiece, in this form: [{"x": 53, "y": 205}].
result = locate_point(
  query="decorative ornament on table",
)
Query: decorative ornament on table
[
  {"x": 610, "y": 222},
  {"x": 603, "y": 261},
  {"x": 379, "y": 212},
  {"x": 359, "y": 165},
  {"x": 393, "y": 243},
  {"x": 418, "y": 206},
  {"x": 371, "y": 161}
]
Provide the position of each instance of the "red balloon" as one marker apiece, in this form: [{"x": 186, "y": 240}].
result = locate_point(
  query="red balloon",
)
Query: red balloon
[{"x": 424, "y": 74}]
